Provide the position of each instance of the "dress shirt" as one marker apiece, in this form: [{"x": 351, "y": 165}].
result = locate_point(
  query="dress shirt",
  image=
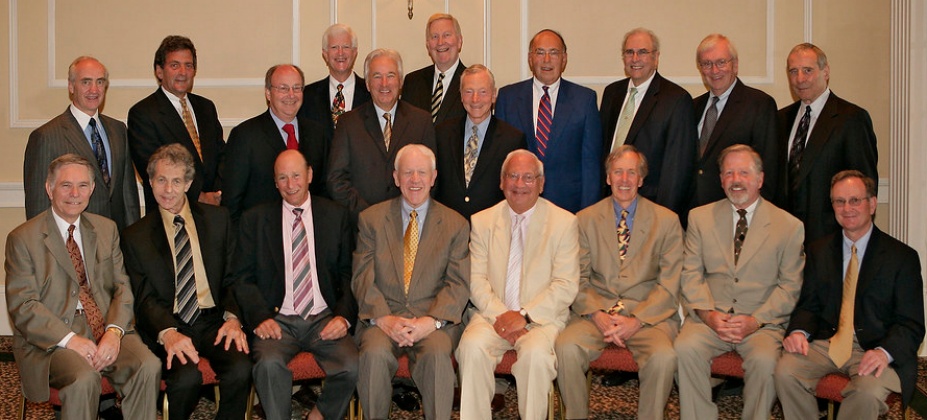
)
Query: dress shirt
[
  {"x": 448, "y": 75},
  {"x": 84, "y": 121},
  {"x": 751, "y": 209},
  {"x": 318, "y": 302},
  {"x": 280, "y": 123},
  {"x": 524, "y": 224},
  {"x": 632, "y": 210},
  {"x": 421, "y": 212},
  {"x": 392, "y": 115},
  {"x": 638, "y": 98},
  {"x": 722, "y": 100},
  {"x": 203, "y": 294},
  {"x": 553, "y": 90},
  {"x": 816, "y": 106},
  {"x": 347, "y": 90},
  {"x": 480, "y": 132},
  {"x": 175, "y": 100}
]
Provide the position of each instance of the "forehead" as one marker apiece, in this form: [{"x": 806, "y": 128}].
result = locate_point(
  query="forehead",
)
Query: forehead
[
  {"x": 639, "y": 40},
  {"x": 803, "y": 58},
  {"x": 849, "y": 187},
  {"x": 72, "y": 172},
  {"x": 288, "y": 164},
  {"x": 475, "y": 80},
  {"x": 169, "y": 169},
  {"x": 342, "y": 38},
  {"x": 179, "y": 55},
  {"x": 738, "y": 160},
  {"x": 285, "y": 75},
  {"x": 627, "y": 160},
  {"x": 546, "y": 40},
  {"x": 89, "y": 68},
  {"x": 719, "y": 50},
  {"x": 414, "y": 159},
  {"x": 441, "y": 26},
  {"x": 521, "y": 164},
  {"x": 383, "y": 64}
]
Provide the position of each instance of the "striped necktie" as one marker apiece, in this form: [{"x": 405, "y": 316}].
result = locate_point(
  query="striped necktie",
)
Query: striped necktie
[
  {"x": 437, "y": 97},
  {"x": 545, "y": 120},
  {"x": 302, "y": 268},
  {"x": 188, "y": 308}
]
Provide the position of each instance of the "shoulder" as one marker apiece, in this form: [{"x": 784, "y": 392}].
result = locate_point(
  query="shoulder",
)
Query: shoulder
[
  {"x": 420, "y": 74},
  {"x": 846, "y": 107},
  {"x": 411, "y": 111},
  {"x": 253, "y": 123},
  {"x": 669, "y": 88},
  {"x": 102, "y": 225},
  {"x": 451, "y": 216},
  {"x": 553, "y": 215},
  {"x": 318, "y": 85},
  {"x": 112, "y": 122},
  {"x": 515, "y": 88},
  {"x": 575, "y": 90},
  {"x": 375, "y": 213},
  {"x": 779, "y": 217},
  {"x": 147, "y": 104}
]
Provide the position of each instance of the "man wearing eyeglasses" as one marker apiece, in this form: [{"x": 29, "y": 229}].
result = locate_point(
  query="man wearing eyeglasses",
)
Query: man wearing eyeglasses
[{"x": 861, "y": 312}]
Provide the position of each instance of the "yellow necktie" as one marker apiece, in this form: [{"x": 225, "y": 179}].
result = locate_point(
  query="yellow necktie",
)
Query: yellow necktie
[
  {"x": 841, "y": 344},
  {"x": 409, "y": 249},
  {"x": 191, "y": 127}
]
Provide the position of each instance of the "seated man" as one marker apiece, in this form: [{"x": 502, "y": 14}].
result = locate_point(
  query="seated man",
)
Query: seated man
[
  {"x": 628, "y": 289},
  {"x": 524, "y": 275}
]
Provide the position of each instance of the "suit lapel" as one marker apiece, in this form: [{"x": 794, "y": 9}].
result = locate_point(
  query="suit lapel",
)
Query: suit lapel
[
  {"x": 525, "y": 105},
  {"x": 605, "y": 222},
  {"x": 56, "y": 246},
  {"x": 78, "y": 140},
  {"x": 457, "y": 154},
  {"x": 643, "y": 220},
  {"x": 488, "y": 150},
  {"x": 430, "y": 239},
  {"x": 394, "y": 237},
  {"x": 869, "y": 264},
  {"x": 272, "y": 137},
  {"x": 501, "y": 244},
  {"x": 643, "y": 112},
  {"x": 819, "y": 135},
  {"x": 174, "y": 122},
  {"x": 372, "y": 125},
  {"x": 272, "y": 233},
  {"x": 724, "y": 232},
  {"x": 532, "y": 245},
  {"x": 732, "y": 107},
  {"x": 89, "y": 242}
]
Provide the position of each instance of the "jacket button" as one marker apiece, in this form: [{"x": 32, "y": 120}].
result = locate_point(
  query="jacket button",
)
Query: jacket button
[
  {"x": 466, "y": 199},
  {"x": 736, "y": 280},
  {"x": 700, "y": 172},
  {"x": 73, "y": 293},
  {"x": 735, "y": 300},
  {"x": 67, "y": 321}
]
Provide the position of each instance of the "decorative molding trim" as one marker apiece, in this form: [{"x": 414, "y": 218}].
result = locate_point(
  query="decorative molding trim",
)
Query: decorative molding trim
[
  {"x": 373, "y": 25},
  {"x": 487, "y": 33},
  {"x": 333, "y": 12},
  {"x": 809, "y": 20}
]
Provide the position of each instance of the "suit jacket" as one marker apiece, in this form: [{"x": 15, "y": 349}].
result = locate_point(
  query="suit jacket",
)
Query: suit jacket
[
  {"x": 154, "y": 122},
  {"x": 749, "y": 117},
  {"x": 417, "y": 90},
  {"x": 42, "y": 289},
  {"x": 573, "y": 161},
  {"x": 483, "y": 192},
  {"x": 260, "y": 274},
  {"x": 248, "y": 171},
  {"x": 440, "y": 276},
  {"x": 647, "y": 281},
  {"x": 63, "y": 135},
  {"x": 150, "y": 264},
  {"x": 664, "y": 130},
  {"x": 765, "y": 282},
  {"x": 842, "y": 138},
  {"x": 889, "y": 309},
  {"x": 550, "y": 263},
  {"x": 317, "y": 104},
  {"x": 360, "y": 168}
]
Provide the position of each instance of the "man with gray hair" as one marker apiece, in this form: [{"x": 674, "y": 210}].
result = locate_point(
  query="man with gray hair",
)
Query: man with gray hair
[{"x": 436, "y": 88}]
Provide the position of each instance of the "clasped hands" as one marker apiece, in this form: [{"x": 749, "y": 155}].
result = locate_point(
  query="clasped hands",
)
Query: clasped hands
[
  {"x": 99, "y": 355},
  {"x": 729, "y": 327},
  {"x": 406, "y": 331},
  {"x": 615, "y": 328},
  {"x": 511, "y": 325}
]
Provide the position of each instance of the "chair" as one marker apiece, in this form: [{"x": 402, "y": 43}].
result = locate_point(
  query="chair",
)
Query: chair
[
  {"x": 830, "y": 388},
  {"x": 613, "y": 358}
]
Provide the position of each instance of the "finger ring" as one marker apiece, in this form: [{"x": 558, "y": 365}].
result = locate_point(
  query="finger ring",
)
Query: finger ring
[
  {"x": 109, "y": 357},
  {"x": 503, "y": 330}
]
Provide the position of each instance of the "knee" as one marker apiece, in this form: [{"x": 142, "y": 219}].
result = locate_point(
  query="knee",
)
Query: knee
[
  {"x": 663, "y": 360},
  {"x": 784, "y": 371},
  {"x": 239, "y": 371},
  {"x": 185, "y": 379},
  {"x": 88, "y": 379},
  {"x": 150, "y": 366},
  {"x": 761, "y": 364},
  {"x": 266, "y": 363}
]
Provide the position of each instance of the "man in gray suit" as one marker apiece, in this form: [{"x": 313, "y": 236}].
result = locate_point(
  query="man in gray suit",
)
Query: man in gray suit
[{"x": 83, "y": 131}]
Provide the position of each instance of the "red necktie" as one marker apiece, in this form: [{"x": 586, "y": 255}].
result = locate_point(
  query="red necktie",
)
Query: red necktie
[
  {"x": 91, "y": 309},
  {"x": 291, "y": 142},
  {"x": 545, "y": 118}
]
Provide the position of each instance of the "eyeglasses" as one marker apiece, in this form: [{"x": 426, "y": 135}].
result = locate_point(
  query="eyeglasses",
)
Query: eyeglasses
[
  {"x": 643, "y": 52},
  {"x": 287, "y": 89},
  {"x": 529, "y": 179},
  {"x": 720, "y": 64},
  {"x": 852, "y": 201},
  {"x": 553, "y": 53}
]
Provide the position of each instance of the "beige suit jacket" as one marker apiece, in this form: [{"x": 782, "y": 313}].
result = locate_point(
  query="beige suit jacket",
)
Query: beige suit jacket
[
  {"x": 550, "y": 265},
  {"x": 42, "y": 289},
  {"x": 647, "y": 281},
  {"x": 767, "y": 279}
]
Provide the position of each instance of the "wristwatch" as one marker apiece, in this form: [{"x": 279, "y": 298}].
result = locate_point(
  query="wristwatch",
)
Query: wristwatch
[
  {"x": 440, "y": 324},
  {"x": 524, "y": 313}
]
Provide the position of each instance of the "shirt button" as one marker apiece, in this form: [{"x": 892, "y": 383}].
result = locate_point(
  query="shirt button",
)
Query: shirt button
[
  {"x": 736, "y": 280},
  {"x": 467, "y": 199},
  {"x": 700, "y": 172}
]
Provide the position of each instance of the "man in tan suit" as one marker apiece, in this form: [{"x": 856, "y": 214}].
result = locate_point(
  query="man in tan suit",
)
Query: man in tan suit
[
  {"x": 740, "y": 281},
  {"x": 411, "y": 271},
  {"x": 69, "y": 298},
  {"x": 628, "y": 289},
  {"x": 524, "y": 275}
]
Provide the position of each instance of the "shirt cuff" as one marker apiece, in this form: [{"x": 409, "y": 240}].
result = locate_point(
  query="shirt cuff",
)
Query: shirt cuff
[
  {"x": 116, "y": 327},
  {"x": 890, "y": 358},
  {"x": 64, "y": 341},
  {"x": 228, "y": 315}
]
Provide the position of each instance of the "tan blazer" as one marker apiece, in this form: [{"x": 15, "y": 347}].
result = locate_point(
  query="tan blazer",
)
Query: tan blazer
[
  {"x": 550, "y": 266},
  {"x": 767, "y": 279},
  {"x": 647, "y": 281},
  {"x": 42, "y": 289}
]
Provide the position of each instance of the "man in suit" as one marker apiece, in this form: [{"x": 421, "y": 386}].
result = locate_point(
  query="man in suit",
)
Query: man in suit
[
  {"x": 71, "y": 304},
  {"x": 248, "y": 171},
  {"x": 730, "y": 113},
  {"x": 628, "y": 289},
  {"x": 740, "y": 280},
  {"x": 296, "y": 297},
  {"x": 367, "y": 138},
  {"x": 410, "y": 278},
  {"x": 179, "y": 260},
  {"x": 173, "y": 114},
  {"x": 339, "y": 92},
  {"x": 436, "y": 88},
  {"x": 83, "y": 131},
  {"x": 656, "y": 116},
  {"x": 524, "y": 275},
  {"x": 861, "y": 312},
  {"x": 471, "y": 149},
  {"x": 819, "y": 135},
  {"x": 569, "y": 143}
]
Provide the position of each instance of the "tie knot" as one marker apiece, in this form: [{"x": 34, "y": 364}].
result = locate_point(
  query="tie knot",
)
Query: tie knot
[
  {"x": 440, "y": 76},
  {"x": 183, "y": 101},
  {"x": 93, "y": 122},
  {"x": 742, "y": 213},
  {"x": 808, "y": 111},
  {"x": 853, "y": 249},
  {"x": 298, "y": 212},
  {"x": 288, "y": 128},
  {"x": 71, "y": 231},
  {"x": 413, "y": 215},
  {"x": 633, "y": 90},
  {"x": 624, "y": 214},
  {"x": 178, "y": 221},
  {"x": 340, "y": 87},
  {"x": 714, "y": 100},
  {"x": 518, "y": 219},
  {"x": 545, "y": 89},
  {"x": 475, "y": 130},
  {"x": 386, "y": 116}
]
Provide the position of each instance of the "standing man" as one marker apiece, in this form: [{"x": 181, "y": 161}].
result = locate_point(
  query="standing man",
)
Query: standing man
[
  {"x": 296, "y": 297},
  {"x": 179, "y": 259},
  {"x": 730, "y": 113},
  {"x": 436, "y": 89},
  {"x": 522, "y": 300},
  {"x": 248, "y": 171},
  {"x": 819, "y": 135},
  {"x": 83, "y": 131},
  {"x": 568, "y": 143},
  {"x": 173, "y": 114},
  {"x": 411, "y": 271},
  {"x": 656, "y": 116},
  {"x": 71, "y": 304},
  {"x": 628, "y": 289},
  {"x": 861, "y": 312},
  {"x": 740, "y": 280},
  {"x": 471, "y": 149}
]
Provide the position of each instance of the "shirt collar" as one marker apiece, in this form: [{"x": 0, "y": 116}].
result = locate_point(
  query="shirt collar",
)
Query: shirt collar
[
  {"x": 82, "y": 118},
  {"x": 346, "y": 84},
  {"x": 448, "y": 74},
  {"x": 63, "y": 225},
  {"x": 168, "y": 218}
]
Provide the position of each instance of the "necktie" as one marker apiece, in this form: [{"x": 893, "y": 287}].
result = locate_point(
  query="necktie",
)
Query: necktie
[
  {"x": 841, "y": 344},
  {"x": 188, "y": 308},
  {"x": 409, "y": 249},
  {"x": 625, "y": 120},
  {"x": 798, "y": 147},
  {"x": 387, "y": 129},
  {"x": 91, "y": 310},
  {"x": 740, "y": 233},
  {"x": 191, "y": 126},
  {"x": 471, "y": 154},
  {"x": 711, "y": 118},
  {"x": 624, "y": 235},
  {"x": 513, "y": 275},
  {"x": 338, "y": 105},
  {"x": 99, "y": 151},
  {"x": 291, "y": 143},
  {"x": 545, "y": 119},
  {"x": 437, "y": 96},
  {"x": 302, "y": 273}
]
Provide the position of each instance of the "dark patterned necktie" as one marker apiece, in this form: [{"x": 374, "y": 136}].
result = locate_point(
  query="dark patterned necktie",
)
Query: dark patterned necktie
[
  {"x": 711, "y": 118},
  {"x": 437, "y": 97},
  {"x": 624, "y": 235},
  {"x": 188, "y": 307},
  {"x": 99, "y": 151},
  {"x": 798, "y": 147},
  {"x": 338, "y": 105},
  {"x": 545, "y": 119},
  {"x": 470, "y": 155},
  {"x": 740, "y": 233},
  {"x": 91, "y": 310}
]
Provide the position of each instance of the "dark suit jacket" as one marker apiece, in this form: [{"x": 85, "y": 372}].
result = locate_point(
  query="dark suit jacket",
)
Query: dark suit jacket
[
  {"x": 749, "y": 117},
  {"x": 317, "y": 103},
  {"x": 150, "y": 264},
  {"x": 664, "y": 130},
  {"x": 360, "y": 168},
  {"x": 248, "y": 171},
  {"x": 889, "y": 311},
  {"x": 417, "y": 90},
  {"x": 484, "y": 192},
  {"x": 573, "y": 162},
  {"x": 259, "y": 272},
  {"x": 63, "y": 135},
  {"x": 842, "y": 138},
  {"x": 153, "y": 122}
]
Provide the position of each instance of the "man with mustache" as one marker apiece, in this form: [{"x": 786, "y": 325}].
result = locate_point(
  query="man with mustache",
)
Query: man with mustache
[{"x": 436, "y": 88}]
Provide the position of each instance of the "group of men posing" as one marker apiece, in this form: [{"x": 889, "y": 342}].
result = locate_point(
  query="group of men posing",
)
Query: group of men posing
[{"x": 364, "y": 252}]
